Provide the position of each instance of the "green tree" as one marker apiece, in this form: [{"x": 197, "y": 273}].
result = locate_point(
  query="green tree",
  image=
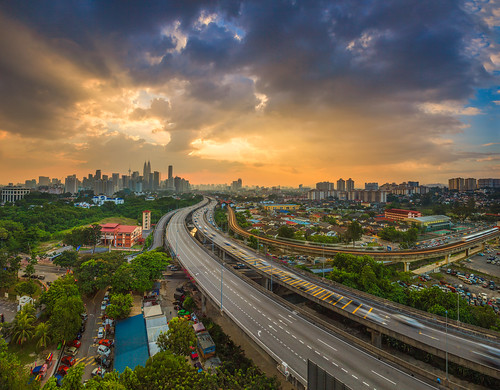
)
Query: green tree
[
  {"x": 13, "y": 376},
  {"x": 122, "y": 279},
  {"x": 65, "y": 319},
  {"x": 354, "y": 231},
  {"x": 61, "y": 289},
  {"x": 26, "y": 288},
  {"x": 179, "y": 337},
  {"x": 189, "y": 303},
  {"x": 67, "y": 259},
  {"x": 22, "y": 328},
  {"x": 253, "y": 242},
  {"x": 42, "y": 333},
  {"x": 93, "y": 235},
  {"x": 73, "y": 379},
  {"x": 120, "y": 305},
  {"x": 286, "y": 231}
]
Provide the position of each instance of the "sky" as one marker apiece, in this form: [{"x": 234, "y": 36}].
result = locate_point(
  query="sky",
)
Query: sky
[{"x": 274, "y": 92}]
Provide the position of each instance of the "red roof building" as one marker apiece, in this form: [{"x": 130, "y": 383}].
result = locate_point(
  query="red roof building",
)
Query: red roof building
[
  {"x": 400, "y": 214},
  {"x": 120, "y": 236}
]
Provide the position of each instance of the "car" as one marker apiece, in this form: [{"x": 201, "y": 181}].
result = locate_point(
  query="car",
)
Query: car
[
  {"x": 407, "y": 321},
  {"x": 194, "y": 355},
  {"x": 68, "y": 361},
  {"x": 84, "y": 316},
  {"x": 75, "y": 343},
  {"x": 100, "y": 333},
  {"x": 82, "y": 328},
  {"x": 62, "y": 370},
  {"x": 99, "y": 371},
  {"x": 182, "y": 312},
  {"x": 72, "y": 351},
  {"x": 103, "y": 361},
  {"x": 78, "y": 336},
  {"x": 41, "y": 277},
  {"x": 198, "y": 366},
  {"x": 103, "y": 350},
  {"x": 106, "y": 342},
  {"x": 104, "y": 304},
  {"x": 489, "y": 355}
]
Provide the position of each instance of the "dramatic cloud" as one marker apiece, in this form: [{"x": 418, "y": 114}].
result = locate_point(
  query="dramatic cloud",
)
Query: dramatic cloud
[{"x": 281, "y": 92}]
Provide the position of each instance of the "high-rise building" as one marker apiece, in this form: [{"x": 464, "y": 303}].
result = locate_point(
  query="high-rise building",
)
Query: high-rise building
[
  {"x": 340, "y": 184},
  {"x": 97, "y": 174},
  {"x": 71, "y": 184},
  {"x": 349, "y": 185},
  {"x": 43, "y": 181},
  {"x": 13, "y": 193},
  {"x": 115, "y": 177},
  {"x": 156, "y": 180},
  {"x": 456, "y": 184},
  {"x": 470, "y": 184},
  {"x": 325, "y": 186},
  {"x": 488, "y": 183},
  {"x": 371, "y": 186},
  {"x": 170, "y": 180},
  {"x": 413, "y": 183},
  {"x": 30, "y": 183}
]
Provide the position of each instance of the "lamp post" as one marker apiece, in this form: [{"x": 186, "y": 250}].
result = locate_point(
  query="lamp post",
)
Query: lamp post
[
  {"x": 458, "y": 307},
  {"x": 221, "y": 284},
  {"x": 446, "y": 346},
  {"x": 323, "y": 260}
]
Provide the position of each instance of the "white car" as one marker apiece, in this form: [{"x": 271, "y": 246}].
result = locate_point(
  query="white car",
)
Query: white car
[
  {"x": 100, "y": 333},
  {"x": 103, "y": 350},
  {"x": 407, "y": 321},
  {"x": 103, "y": 305}
]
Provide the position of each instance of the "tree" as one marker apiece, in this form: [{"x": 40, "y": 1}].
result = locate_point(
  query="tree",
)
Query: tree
[
  {"x": 73, "y": 379},
  {"x": 61, "y": 288},
  {"x": 42, "y": 333},
  {"x": 65, "y": 320},
  {"x": 93, "y": 236},
  {"x": 122, "y": 279},
  {"x": 26, "y": 288},
  {"x": 189, "y": 304},
  {"x": 67, "y": 259},
  {"x": 354, "y": 231},
  {"x": 120, "y": 306},
  {"x": 179, "y": 337},
  {"x": 22, "y": 329},
  {"x": 13, "y": 376},
  {"x": 286, "y": 231}
]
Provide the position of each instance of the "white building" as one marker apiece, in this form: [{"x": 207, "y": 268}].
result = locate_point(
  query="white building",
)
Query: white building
[{"x": 100, "y": 199}]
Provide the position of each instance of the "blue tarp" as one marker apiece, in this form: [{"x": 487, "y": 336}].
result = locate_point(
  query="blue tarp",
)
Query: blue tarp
[{"x": 131, "y": 343}]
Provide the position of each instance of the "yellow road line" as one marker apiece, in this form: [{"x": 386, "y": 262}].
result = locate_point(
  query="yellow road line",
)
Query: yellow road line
[
  {"x": 357, "y": 308},
  {"x": 319, "y": 292},
  {"x": 313, "y": 286},
  {"x": 338, "y": 301},
  {"x": 371, "y": 308},
  {"x": 327, "y": 296},
  {"x": 347, "y": 304}
]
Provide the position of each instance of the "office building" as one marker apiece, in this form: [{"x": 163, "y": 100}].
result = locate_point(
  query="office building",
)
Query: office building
[
  {"x": 325, "y": 186},
  {"x": 146, "y": 220},
  {"x": 13, "y": 193},
  {"x": 43, "y": 181}
]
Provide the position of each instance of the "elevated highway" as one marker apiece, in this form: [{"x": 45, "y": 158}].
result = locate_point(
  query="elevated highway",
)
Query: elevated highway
[
  {"x": 282, "y": 333},
  {"x": 405, "y": 256},
  {"x": 463, "y": 344}
]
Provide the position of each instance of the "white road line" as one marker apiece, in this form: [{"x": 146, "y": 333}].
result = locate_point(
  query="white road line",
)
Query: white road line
[
  {"x": 366, "y": 384},
  {"x": 286, "y": 319},
  {"x": 328, "y": 345},
  {"x": 343, "y": 369},
  {"x": 388, "y": 380},
  {"x": 354, "y": 376}
]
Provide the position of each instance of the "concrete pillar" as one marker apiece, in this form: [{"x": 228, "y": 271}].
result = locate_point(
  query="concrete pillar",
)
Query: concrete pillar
[
  {"x": 406, "y": 266},
  {"x": 447, "y": 258},
  {"x": 467, "y": 252},
  {"x": 376, "y": 338},
  {"x": 203, "y": 304}
]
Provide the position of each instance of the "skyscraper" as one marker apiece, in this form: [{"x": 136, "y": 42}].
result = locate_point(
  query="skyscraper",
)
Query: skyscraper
[
  {"x": 340, "y": 184},
  {"x": 349, "y": 185},
  {"x": 170, "y": 180}
]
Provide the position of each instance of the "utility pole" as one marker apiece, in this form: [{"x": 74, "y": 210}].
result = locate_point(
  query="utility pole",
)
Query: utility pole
[{"x": 446, "y": 346}]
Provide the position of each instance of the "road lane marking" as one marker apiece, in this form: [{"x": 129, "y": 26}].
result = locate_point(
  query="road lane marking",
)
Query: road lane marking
[
  {"x": 426, "y": 335},
  {"x": 328, "y": 345},
  {"x": 388, "y": 380},
  {"x": 343, "y": 369},
  {"x": 338, "y": 301},
  {"x": 357, "y": 308},
  {"x": 347, "y": 304},
  {"x": 371, "y": 308},
  {"x": 286, "y": 319}
]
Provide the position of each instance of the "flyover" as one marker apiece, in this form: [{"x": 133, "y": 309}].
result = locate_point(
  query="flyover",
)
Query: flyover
[
  {"x": 460, "y": 343},
  {"x": 405, "y": 256},
  {"x": 283, "y": 333}
]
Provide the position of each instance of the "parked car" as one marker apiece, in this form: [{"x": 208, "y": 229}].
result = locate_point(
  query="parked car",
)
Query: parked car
[
  {"x": 62, "y": 370},
  {"x": 194, "y": 355},
  {"x": 100, "y": 333},
  {"x": 72, "y": 351},
  {"x": 98, "y": 371},
  {"x": 75, "y": 343},
  {"x": 103, "y": 350},
  {"x": 68, "y": 361},
  {"x": 106, "y": 342},
  {"x": 103, "y": 305},
  {"x": 103, "y": 361}
]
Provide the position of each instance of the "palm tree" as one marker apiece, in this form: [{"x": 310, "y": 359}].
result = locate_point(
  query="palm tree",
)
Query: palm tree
[
  {"x": 42, "y": 334},
  {"x": 22, "y": 329}
]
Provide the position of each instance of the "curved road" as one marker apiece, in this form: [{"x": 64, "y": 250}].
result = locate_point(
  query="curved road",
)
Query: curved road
[{"x": 282, "y": 333}]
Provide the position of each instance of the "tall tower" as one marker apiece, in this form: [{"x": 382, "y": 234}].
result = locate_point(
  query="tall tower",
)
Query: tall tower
[
  {"x": 349, "y": 184},
  {"x": 146, "y": 220},
  {"x": 340, "y": 184},
  {"x": 170, "y": 180}
]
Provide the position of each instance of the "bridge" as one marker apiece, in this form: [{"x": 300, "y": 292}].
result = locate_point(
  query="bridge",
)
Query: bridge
[{"x": 404, "y": 256}]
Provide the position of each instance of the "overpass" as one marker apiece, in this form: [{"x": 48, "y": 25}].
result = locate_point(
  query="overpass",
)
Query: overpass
[
  {"x": 377, "y": 314},
  {"x": 285, "y": 333},
  {"x": 404, "y": 256}
]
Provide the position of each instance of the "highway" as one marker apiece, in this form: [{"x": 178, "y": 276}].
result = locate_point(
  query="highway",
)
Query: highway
[
  {"x": 431, "y": 333},
  {"x": 322, "y": 250},
  {"x": 282, "y": 333}
]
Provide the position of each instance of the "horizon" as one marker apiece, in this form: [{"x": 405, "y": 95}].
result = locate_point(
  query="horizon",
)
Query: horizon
[{"x": 277, "y": 93}]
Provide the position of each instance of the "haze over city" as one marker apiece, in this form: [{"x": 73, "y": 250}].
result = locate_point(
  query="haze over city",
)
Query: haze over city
[{"x": 278, "y": 93}]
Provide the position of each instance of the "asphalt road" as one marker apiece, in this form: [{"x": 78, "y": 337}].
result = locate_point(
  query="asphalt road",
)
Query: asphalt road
[
  {"x": 282, "y": 333},
  {"x": 430, "y": 333}
]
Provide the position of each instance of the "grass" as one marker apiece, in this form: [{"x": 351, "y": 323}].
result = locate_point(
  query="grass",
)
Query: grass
[
  {"x": 120, "y": 220},
  {"x": 28, "y": 352}
]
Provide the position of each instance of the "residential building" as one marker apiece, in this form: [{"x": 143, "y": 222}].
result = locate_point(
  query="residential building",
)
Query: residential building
[
  {"x": 325, "y": 186},
  {"x": 281, "y": 207},
  {"x": 456, "y": 184},
  {"x": 470, "y": 184},
  {"x": 349, "y": 185},
  {"x": 71, "y": 184},
  {"x": 146, "y": 220},
  {"x": 120, "y": 236},
  {"x": 340, "y": 184},
  {"x": 43, "y": 180},
  {"x": 99, "y": 200},
  {"x": 371, "y": 186},
  {"x": 488, "y": 183}
]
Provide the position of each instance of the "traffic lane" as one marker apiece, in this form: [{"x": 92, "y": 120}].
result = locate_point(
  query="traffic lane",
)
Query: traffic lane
[
  {"x": 429, "y": 336},
  {"x": 266, "y": 328},
  {"x": 88, "y": 348}
]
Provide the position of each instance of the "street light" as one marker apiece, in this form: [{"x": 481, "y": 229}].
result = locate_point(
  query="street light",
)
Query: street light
[
  {"x": 221, "y": 284},
  {"x": 458, "y": 307}
]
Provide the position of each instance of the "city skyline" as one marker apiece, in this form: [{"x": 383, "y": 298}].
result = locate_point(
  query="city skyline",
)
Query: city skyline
[{"x": 275, "y": 93}]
